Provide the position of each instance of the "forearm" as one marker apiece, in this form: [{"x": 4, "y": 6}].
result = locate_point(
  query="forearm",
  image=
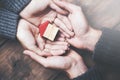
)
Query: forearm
[
  {"x": 105, "y": 46},
  {"x": 107, "y": 49},
  {"x": 8, "y": 24},
  {"x": 9, "y": 16},
  {"x": 91, "y": 38},
  {"x": 77, "y": 68},
  {"x": 76, "y": 71}
]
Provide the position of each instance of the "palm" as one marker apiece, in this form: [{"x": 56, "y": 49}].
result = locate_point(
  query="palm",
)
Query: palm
[
  {"x": 26, "y": 34},
  {"x": 80, "y": 27},
  {"x": 79, "y": 23}
]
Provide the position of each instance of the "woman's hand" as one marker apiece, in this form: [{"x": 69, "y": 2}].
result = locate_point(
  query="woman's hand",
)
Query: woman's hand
[{"x": 72, "y": 63}]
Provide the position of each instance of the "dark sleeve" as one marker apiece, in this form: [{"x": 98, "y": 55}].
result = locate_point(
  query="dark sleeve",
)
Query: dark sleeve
[
  {"x": 92, "y": 74},
  {"x": 9, "y": 16},
  {"x": 8, "y": 23},
  {"x": 107, "y": 49},
  {"x": 15, "y": 6}
]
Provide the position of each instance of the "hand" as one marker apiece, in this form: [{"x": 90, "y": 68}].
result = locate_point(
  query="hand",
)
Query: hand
[
  {"x": 38, "y": 9},
  {"x": 56, "y": 48},
  {"x": 72, "y": 63},
  {"x": 85, "y": 36},
  {"x": 29, "y": 37}
]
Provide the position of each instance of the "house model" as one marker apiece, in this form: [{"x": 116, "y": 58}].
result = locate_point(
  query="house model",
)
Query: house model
[{"x": 48, "y": 30}]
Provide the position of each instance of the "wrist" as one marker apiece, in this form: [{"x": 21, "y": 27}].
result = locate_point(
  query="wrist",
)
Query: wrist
[
  {"x": 76, "y": 70},
  {"x": 91, "y": 38}
]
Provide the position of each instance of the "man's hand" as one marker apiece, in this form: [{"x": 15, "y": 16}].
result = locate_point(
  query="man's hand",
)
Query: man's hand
[
  {"x": 72, "y": 63},
  {"x": 85, "y": 36}
]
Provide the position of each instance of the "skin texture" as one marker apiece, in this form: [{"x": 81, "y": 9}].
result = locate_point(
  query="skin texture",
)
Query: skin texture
[
  {"x": 73, "y": 63},
  {"x": 75, "y": 29},
  {"x": 32, "y": 37},
  {"x": 35, "y": 13},
  {"x": 37, "y": 9},
  {"x": 85, "y": 35}
]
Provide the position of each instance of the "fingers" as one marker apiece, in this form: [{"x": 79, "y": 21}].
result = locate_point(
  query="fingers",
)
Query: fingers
[
  {"x": 54, "y": 52},
  {"x": 56, "y": 62},
  {"x": 26, "y": 34},
  {"x": 57, "y": 48},
  {"x": 60, "y": 39},
  {"x": 67, "y": 6},
  {"x": 58, "y": 43},
  {"x": 57, "y": 52},
  {"x": 63, "y": 28},
  {"x": 66, "y": 21},
  {"x": 58, "y": 9},
  {"x": 35, "y": 49},
  {"x": 49, "y": 17},
  {"x": 36, "y": 57}
]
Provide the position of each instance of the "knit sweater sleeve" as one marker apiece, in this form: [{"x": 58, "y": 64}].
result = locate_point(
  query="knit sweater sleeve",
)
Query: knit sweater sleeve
[
  {"x": 107, "y": 50},
  {"x": 9, "y": 16},
  {"x": 15, "y": 6}
]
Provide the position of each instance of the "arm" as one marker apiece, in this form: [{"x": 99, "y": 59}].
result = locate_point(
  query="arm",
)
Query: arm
[
  {"x": 15, "y": 6},
  {"x": 72, "y": 64},
  {"x": 8, "y": 23},
  {"x": 26, "y": 33},
  {"x": 103, "y": 43},
  {"x": 9, "y": 16},
  {"x": 107, "y": 49}
]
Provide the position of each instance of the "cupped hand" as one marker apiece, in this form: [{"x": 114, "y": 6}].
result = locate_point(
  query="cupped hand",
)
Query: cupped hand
[
  {"x": 29, "y": 37},
  {"x": 36, "y": 10},
  {"x": 85, "y": 36},
  {"x": 72, "y": 63}
]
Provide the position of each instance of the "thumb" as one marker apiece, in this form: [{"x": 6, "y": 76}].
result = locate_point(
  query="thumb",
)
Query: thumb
[
  {"x": 57, "y": 8},
  {"x": 65, "y": 5},
  {"x": 36, "y": 57}
]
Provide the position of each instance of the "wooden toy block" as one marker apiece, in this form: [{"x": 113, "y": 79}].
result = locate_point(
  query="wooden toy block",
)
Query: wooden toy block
[{"x": 48, "y": 30}]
